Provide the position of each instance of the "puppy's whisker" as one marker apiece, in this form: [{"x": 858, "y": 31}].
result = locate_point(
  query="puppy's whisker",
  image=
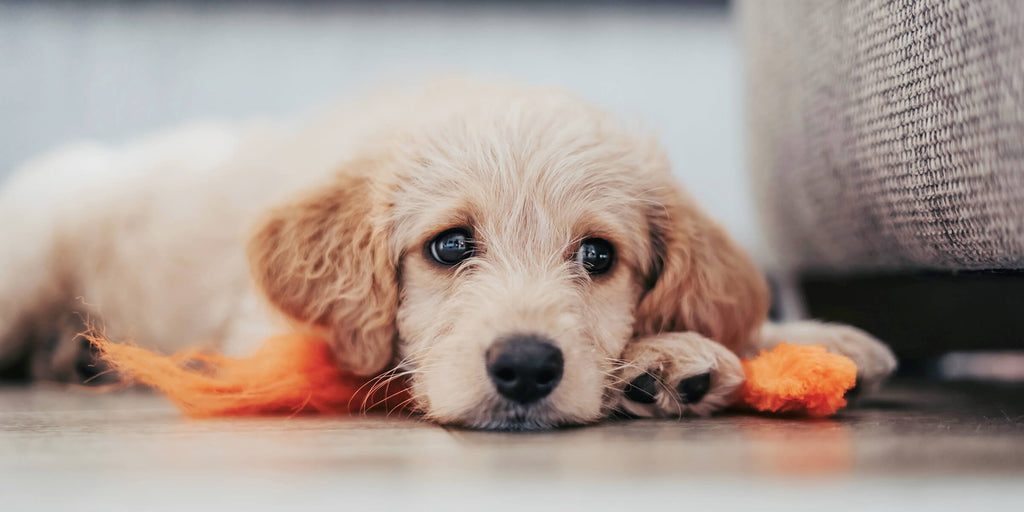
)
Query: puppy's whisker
[
  {"x": 372, "y": 383},
  {"x": 616, "y": 379},
  {"x": 386, "y": 385},
  {"x": 382, "y": 383},
  {"x": 627, "y": 364},
  {"x": 407, "y": 366},
  {"x": 400, "y": 406},
  {"x": 387, "y": 396},
  {"x": 376, "y": 384}
]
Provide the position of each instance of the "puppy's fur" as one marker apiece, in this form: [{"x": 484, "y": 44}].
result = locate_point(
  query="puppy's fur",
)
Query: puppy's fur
[{"x": 182, "y": 237}]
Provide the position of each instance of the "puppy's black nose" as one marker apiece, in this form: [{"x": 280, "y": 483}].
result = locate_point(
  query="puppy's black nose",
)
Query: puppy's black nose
[{"x": 524, "y": 368}]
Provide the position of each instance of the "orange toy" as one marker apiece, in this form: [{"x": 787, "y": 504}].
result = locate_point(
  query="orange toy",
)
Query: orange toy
[
  {"x": 296, "y": 373},
  {"x": 288, "y": 374},
  {"x": 797, "y": 379}
]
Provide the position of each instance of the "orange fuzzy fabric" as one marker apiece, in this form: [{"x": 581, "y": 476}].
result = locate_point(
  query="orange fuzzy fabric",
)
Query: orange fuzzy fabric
[
  {"x": 287, "y": 375},
  {"x": 797, "y": 379}
]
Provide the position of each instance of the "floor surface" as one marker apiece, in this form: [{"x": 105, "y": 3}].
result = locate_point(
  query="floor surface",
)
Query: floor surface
[{"x": 915, "y": 446}]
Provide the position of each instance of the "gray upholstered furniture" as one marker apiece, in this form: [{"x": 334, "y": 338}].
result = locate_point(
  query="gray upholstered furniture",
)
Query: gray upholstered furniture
[{"x": 887, "y": 145}]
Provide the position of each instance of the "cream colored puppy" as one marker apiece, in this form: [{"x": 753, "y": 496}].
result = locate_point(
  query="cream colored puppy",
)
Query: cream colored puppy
[{"x": 521, "y": 258}]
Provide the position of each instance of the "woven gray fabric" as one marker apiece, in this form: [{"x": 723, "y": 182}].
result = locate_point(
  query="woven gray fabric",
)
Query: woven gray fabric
[{"x": 888, "y": 134}]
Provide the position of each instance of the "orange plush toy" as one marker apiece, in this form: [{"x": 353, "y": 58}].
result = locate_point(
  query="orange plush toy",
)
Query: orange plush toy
[
  {"x": 296, "y": 373},
  {"x": 287, "y": 375},
  {"x": 797, "y": 379}
]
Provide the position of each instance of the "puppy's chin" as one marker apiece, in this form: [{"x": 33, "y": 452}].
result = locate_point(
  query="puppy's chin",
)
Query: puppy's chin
[
  {"x": 510, "y": 416},
  {"x": 518, "y": 418}
]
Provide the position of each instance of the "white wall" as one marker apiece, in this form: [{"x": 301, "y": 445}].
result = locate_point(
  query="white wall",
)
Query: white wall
[{"x": 110, "y": 72}]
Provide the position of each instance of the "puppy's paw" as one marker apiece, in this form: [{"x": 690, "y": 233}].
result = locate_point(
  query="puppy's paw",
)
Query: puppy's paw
[
  {"x": 677, "y": 374},
  {"x": 875, "y": 361},
  {"x": 63, "y": 355}
]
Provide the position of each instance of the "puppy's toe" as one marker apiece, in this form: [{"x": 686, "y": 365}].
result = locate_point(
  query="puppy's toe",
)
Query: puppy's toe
[
  {"x": 69, "y": 358},
  {"x": 678, "y": 374},
  {"x": 875, "y": 361},
  {"x": 691, "y": 390},
  {"x": 642, "y": 390}
]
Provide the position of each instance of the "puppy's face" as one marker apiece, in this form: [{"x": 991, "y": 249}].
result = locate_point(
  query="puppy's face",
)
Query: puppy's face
[
  {"x": 519, "y": 274},
  {"x": 507, "y": 250}
]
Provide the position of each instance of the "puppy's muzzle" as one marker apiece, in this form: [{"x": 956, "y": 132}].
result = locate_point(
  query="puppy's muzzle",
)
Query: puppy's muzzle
[{"x": 524, "y": 368}]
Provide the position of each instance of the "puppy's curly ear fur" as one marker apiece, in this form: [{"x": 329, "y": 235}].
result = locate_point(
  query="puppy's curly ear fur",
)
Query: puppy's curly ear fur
[
  {"x": 702, "y": 281},
  {"x": 322, "y": 261}
]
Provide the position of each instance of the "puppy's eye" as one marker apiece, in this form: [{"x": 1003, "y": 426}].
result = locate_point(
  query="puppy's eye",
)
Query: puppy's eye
[
  {"x": 452, "y": 246},
  {"x": 596, "y": 255}
]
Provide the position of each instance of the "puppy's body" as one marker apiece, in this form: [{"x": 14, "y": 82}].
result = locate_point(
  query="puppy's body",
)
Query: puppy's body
[
  {"x": 150, "y": 237},
  {"x": 147, "y": 239},
  {"x": 184, "y": 237}
]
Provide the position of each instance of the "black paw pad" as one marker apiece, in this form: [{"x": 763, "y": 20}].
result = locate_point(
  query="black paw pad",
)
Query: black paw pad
[
  {"x": 692, "y": 389},
  {"x": 642, "y": 390}
]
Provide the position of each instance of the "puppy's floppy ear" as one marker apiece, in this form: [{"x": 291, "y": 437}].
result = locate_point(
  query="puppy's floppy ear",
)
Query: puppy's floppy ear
[
  {"x": 702, "y": 281},
  {"x": 322, "y": 261}
]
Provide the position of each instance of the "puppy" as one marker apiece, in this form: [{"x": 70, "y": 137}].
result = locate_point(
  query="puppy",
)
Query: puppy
[{"x": 523, "y": 260}]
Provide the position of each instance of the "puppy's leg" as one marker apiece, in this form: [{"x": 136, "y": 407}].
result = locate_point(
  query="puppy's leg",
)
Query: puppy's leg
[
  {"x": 874, "y": 360},
  {"x": 62, "y": 354},
  {"x": 27, "y": 291},
  {"x": 44, "y": 216},
  {"x": 674, "y": 374}
]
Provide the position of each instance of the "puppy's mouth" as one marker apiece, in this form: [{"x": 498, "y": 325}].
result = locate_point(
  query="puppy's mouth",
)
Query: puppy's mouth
[
  {"x": 524, "y": 371},
  {"x": 507, "y": 416},
  {"x": 495, "y": 413},
  {"x": 500, "y": 414},
  {"x": 521, "y": 389}
]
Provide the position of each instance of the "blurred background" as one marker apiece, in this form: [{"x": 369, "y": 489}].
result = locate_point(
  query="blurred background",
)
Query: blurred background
[{"x": 110, "y": 71}]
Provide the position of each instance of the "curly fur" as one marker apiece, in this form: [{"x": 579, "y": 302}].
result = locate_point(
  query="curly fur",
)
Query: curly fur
[{"x": 337, "y": 215}]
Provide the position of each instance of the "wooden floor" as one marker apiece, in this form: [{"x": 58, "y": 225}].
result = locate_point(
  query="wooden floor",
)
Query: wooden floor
[{"x": 916, "y": 446}]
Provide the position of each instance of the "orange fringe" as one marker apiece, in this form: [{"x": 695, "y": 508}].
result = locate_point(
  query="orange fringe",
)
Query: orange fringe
[
  {"x": 287, "y": 375},
  {"x": 798, "y": 379}
]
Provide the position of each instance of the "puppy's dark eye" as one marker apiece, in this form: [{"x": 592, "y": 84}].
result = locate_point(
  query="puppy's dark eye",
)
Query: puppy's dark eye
[
  {"x": 452, "y": 246},
  {"x": 596, "y": 255}
]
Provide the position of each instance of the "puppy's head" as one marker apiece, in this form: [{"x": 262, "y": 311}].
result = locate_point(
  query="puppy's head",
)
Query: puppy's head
[{"x": 502, "y": 253}]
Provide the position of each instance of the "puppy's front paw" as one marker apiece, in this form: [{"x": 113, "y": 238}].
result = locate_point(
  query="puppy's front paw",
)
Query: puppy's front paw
[
  {"x": 675, "y": 374},
  {"x": 875, "y": 361}
]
